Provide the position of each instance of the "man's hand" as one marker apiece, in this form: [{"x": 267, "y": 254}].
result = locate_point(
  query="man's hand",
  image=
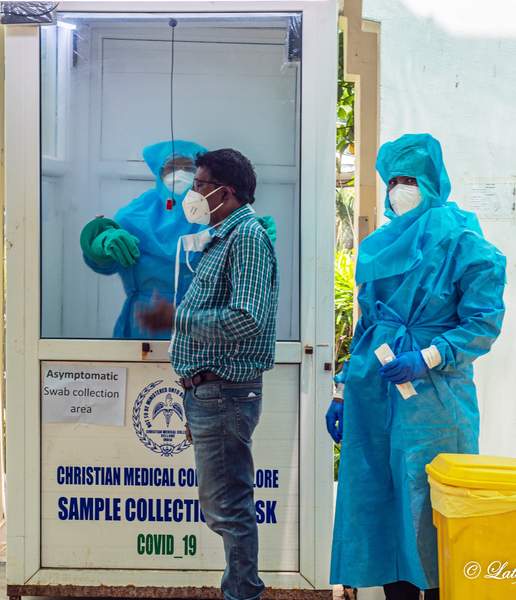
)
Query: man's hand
[
  {"x": 158, "y": 316},
  {"x": 188, "y": 433}
]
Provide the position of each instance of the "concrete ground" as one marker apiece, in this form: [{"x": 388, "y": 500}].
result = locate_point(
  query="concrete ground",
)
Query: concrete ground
[{"x": 337, "y": 592}]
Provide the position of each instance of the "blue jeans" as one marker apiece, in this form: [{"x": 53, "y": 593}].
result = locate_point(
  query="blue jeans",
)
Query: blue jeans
[{"x": 222, "y": 417}]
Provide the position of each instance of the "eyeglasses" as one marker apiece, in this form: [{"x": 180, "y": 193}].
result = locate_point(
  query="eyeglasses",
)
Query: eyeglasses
[
  {"x": 200, "y": 183},
  {"x": 205, "y": 182}
]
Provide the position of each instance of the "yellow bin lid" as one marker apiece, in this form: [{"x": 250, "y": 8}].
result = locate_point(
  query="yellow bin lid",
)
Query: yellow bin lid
[{"x": 474, "y": 471}]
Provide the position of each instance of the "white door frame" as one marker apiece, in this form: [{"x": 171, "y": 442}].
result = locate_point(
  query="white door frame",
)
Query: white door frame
[{"x": 25, "y": 349}]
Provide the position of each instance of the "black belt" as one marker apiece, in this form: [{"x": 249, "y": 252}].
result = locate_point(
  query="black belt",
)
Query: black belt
[{"x": 205, "y": 377}]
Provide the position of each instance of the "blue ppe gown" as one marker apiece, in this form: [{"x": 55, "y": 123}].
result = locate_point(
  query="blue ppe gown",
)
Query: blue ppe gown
[
  {"x": 158, "y": 230},
  {"x": 426, "y": 277}
]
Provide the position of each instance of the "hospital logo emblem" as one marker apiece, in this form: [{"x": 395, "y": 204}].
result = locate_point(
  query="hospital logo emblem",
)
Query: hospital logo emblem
[{"x": 159, "y": 419}]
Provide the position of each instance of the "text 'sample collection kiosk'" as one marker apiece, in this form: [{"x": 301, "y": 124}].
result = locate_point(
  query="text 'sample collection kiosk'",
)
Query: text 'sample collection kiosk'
[{"x": 102, "y": 496}]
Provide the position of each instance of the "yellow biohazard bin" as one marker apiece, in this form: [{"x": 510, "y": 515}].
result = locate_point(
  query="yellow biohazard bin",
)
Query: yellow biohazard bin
[{"x": 474, "y": 509}]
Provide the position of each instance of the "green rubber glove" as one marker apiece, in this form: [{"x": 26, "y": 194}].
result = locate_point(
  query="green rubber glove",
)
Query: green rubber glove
[
  {"x": 268, "y": 223},
  {"x": 117, "y": 244},
  {"x": 103, "y": 241}
]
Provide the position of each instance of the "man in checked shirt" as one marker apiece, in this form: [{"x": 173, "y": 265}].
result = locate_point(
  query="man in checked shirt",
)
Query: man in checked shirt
[{"x": 223, "y": 340}]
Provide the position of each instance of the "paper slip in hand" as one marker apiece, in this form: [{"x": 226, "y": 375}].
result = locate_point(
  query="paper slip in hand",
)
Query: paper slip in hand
[{"x": 385, "y": 355}]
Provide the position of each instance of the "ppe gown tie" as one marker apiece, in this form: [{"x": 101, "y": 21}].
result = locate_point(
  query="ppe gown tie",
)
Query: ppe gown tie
[{"x": 390, "y": 318}]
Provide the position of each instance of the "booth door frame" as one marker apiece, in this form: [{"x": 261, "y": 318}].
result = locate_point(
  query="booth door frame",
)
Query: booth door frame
[{"x": 25, "y": 349}]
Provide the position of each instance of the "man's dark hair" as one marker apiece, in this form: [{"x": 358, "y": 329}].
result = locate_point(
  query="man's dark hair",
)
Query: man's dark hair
[{"x": 230, "y": 167}]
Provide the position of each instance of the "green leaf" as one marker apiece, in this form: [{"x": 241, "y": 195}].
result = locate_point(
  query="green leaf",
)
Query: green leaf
[
  {"x": 344, "y": 293},
  {"x": 345, "y": 109}
]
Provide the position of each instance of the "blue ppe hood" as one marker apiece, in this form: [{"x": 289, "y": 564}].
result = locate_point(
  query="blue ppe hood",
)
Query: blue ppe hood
[
  {"x": 400, "y": 245},
  {"x": 146, "y": 217}
]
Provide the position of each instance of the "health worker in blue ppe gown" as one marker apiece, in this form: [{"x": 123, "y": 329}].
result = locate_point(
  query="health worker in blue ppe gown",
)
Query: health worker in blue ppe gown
[
  {"x": 141, "y": 240},
  {"x": 431, "y": 288}
]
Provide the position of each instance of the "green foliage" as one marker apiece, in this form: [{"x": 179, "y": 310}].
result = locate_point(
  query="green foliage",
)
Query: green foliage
[
  {"x": 344, "y": 274},
  {"x": 344, "y": 230},
  {"x": 344, "y": 285},
  {"x": 345, "y": 107},
  {"x": 345, "y": 197},
  {"x": 346, "y": 119},
  {"x": 336, "y": 461}
]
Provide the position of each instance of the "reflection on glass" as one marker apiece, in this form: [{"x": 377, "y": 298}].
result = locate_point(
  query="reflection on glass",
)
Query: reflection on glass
[
  {"x": 109, "y": 231},
  {"x": 141, "y": 240}
]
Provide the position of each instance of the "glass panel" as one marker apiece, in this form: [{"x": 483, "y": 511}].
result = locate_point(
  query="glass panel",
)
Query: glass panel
[
  {"x": 49, "y": 90},
  {"x": 106, "y": 96}
]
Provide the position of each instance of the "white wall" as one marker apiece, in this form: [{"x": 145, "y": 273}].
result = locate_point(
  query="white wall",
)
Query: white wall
[{"x": 447, "y": 68}]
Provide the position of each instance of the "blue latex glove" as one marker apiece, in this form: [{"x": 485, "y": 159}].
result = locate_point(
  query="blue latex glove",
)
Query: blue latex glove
[
  {"x": 406, "y": 367},
  {"x": 334, "y": 420},
  {"x": 342, "y": 375}
]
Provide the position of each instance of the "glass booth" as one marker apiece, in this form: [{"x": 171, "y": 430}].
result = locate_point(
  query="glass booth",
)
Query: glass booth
[{"x": 102, "y": 479}]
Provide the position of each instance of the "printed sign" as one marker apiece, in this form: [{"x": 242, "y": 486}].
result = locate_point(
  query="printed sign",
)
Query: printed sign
[
  {"x": 81, "y": 394},
  {"x": 159, "y": 419},
  {"x": 127, "y": 497},
  {"x": 491, "y": 199}
]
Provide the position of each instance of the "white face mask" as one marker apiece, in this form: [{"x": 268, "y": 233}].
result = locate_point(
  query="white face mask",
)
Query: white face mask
[
  {"x": 404, "y": 198},
  {"x": 178, "y": 181},
  {"x": 196, "y": 242},
  {"x": 196, "y": 207},
  {"x": 193, "y": 242}
]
